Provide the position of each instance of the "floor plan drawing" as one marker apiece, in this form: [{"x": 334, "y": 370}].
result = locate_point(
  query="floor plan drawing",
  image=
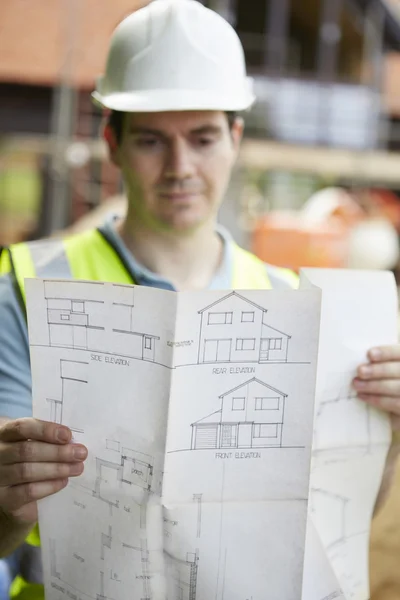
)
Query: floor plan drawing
[
  {"x": 74, "y": 378},
  {"x": 234, "y": 329},
  {"x": 251, "y": 416},
  {"x": 133, "y": 469}
]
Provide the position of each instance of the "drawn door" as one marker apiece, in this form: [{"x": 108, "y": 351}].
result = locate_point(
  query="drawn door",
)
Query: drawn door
[
  {"x": 148, "y": 348},
  {"x": 229, "y": 436},
  {"x": 264, "y": 350},
  {"x": 224, "y": 350},
  {"x": 217, "y": 350},
  {"x": 245, "y": 435}
]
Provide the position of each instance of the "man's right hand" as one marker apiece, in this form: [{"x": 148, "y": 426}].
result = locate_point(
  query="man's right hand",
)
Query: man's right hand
[{"x": 36, "y": 460}]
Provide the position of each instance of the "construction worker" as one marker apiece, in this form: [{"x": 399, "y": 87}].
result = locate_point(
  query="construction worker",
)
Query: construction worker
[{"x": 174, "y": 82}]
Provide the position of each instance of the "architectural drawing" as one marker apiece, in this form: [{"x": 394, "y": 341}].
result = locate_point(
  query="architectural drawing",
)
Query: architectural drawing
[
  {"x": 251, "y": 416},
  {"x": 74, "y": 377},
  {"x": 160, "y": 519},
  {"x": 80, "y": 322},
  {"x": 182, "y": 576},
  {"x": 134, "y": 468},
  {"x": 234, "y": 329}
]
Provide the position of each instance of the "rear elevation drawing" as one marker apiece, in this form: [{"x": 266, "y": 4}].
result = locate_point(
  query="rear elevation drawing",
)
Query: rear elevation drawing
[
  {"x": 233, "y": 329},
  {"x": 251, "y": 416},
  {"x": 81, "y": 322}
]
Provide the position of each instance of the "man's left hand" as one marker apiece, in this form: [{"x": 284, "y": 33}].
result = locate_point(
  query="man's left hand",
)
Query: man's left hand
[
  {"x": 378, "y": 381},
  {"x": 378, "y": 384}
]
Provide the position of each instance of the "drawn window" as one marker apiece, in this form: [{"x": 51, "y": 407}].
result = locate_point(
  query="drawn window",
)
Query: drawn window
[
  {"x": 275, "y": 344},
  {"x": 267, "y": 403},
  {"x": 238, "y": 403},
  {"x": 220, "y": 318},
  {"x": 245, "y": 344},
  {"x": 147, "y": 343},
  {"x": 247, "y": 317},
  {"x": 65, "y": 317},
  {"x": 78, "y": 307},
  {"x": 266, "y": 430}
]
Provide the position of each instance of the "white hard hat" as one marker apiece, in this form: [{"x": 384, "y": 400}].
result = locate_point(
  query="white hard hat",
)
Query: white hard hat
[{"x": 175, "y": 55}]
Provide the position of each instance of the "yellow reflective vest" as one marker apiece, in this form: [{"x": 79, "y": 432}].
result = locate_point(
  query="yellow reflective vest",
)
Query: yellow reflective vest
[{"x": 90, "y": 256}]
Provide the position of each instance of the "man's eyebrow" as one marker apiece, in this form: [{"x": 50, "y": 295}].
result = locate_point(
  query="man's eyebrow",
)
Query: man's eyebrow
[
  {"x": 210, "y": 129},
  {"x": 145, "y": 131}
]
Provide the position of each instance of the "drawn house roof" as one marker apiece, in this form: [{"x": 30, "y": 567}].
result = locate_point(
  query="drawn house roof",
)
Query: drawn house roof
[
  {"x": 215, "y": 417},
  {"x": 229, "y": 296},
  {"x": 254, "y": 379},
  {"x": 266, "y": 326},
  {"x": 263, "y": 310}
]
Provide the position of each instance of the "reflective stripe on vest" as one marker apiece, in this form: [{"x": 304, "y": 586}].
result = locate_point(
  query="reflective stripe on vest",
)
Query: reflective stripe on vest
[{"x": 89, "y": 256}]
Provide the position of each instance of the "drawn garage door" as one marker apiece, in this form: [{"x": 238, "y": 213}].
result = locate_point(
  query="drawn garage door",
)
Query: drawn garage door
[{"x": 206, "y": 436}]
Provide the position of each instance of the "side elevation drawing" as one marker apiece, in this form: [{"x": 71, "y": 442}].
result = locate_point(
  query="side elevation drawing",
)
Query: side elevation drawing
[
  {"x": 182, "y": 576},
  {"x": 76, "y": 322},
  {"x": 234, "y": 329},
  {"x": 82, "y": 322},
  {"x": 73, "y": 380},
  {"x": 251, "y": 416}
]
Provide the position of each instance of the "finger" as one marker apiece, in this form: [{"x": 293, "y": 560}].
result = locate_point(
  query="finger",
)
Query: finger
[
  {"x": 34, "y": 429},
  {"x": 17, "y": 496},
  {"x": 32, "y": 451},
  {"x": 382, "y": 387},
  {"x": 385, "y": 403},
  {"x": 384, "y": 353},
  {"x": 384, "y": 370},
  {"x": 31, "y": 472}
]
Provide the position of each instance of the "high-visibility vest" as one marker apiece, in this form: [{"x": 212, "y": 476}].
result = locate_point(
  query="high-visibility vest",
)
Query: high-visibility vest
[{"x": 90, "y": 256}]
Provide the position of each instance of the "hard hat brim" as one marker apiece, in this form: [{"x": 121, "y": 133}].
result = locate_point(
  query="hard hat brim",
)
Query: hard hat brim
[{"x": 169, "y": 100}]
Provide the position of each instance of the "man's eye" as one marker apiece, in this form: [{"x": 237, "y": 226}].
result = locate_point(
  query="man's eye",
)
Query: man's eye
[
  {"x": 148, "y": 142},
  {"x": 205, "y": 141}
]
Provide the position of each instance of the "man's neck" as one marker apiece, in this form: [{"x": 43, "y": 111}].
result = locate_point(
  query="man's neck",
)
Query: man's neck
[{"x": 189, "y": 262}]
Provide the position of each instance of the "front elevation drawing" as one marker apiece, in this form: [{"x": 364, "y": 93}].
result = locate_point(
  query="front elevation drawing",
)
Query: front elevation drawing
[
  {"x": 80, "y": 322},
  {"x": 233, "y": 329},
  {"x": 251, "y": 416}
]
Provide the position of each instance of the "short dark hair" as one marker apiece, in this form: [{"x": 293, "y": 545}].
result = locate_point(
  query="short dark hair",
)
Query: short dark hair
[{"x": 116, "y": 120}]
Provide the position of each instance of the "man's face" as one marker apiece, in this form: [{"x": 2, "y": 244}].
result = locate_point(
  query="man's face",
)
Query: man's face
[{"x": 176, "y": 166}]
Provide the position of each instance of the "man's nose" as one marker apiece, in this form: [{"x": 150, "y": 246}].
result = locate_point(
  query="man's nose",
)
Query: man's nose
[{"x": 179, "y": 161}]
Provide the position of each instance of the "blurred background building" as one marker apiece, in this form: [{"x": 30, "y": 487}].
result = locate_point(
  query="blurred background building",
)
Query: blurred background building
[{"x": 327, "y": 75}]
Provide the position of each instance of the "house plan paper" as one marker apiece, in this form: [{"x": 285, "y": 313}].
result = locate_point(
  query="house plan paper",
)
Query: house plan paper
[
  {"x": 197, "y": 410},
  {"x": 351, "y": 439}
]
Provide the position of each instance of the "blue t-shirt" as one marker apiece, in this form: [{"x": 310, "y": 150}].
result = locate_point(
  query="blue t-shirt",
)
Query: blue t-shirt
[{"x": 15, "y": 374}]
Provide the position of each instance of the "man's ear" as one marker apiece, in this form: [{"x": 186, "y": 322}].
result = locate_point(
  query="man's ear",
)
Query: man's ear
[{"x": 112, "y": 145}]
